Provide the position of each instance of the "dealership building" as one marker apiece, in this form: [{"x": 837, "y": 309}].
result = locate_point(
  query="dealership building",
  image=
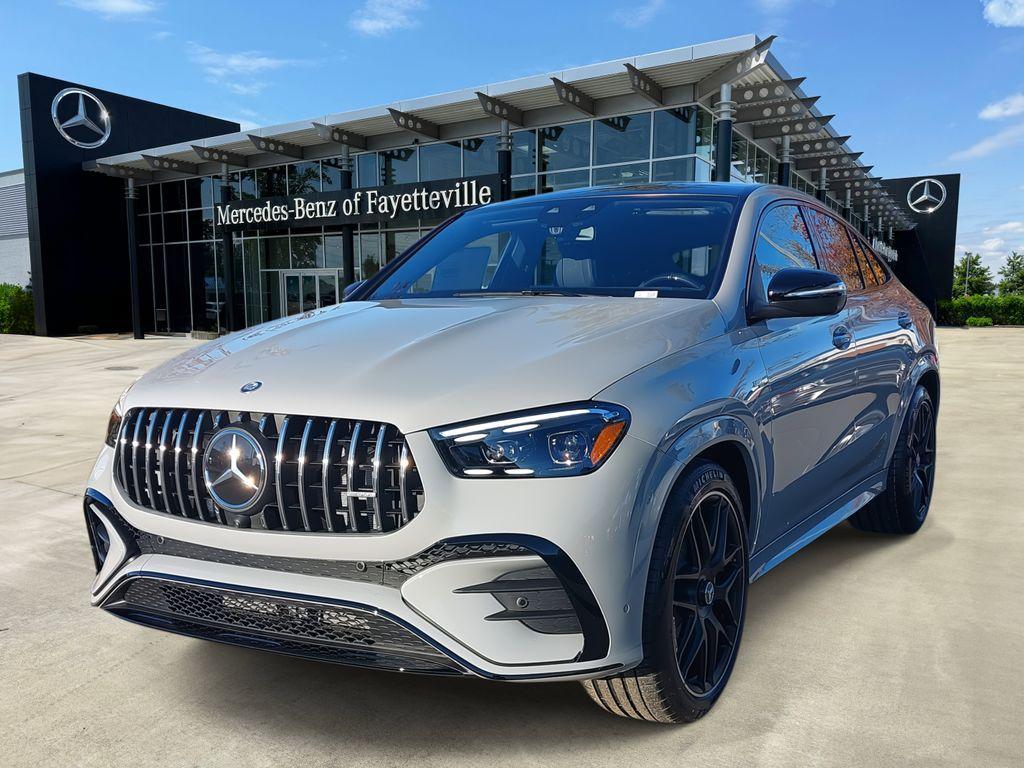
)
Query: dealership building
[{"x": 139, "y": 216}]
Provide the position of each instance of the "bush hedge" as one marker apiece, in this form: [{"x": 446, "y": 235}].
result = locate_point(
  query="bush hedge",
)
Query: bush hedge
[
  {"x": 979, "y": 322},
  {"x": 1002, "y": 310},
  {"x": 17, "y": 314}
]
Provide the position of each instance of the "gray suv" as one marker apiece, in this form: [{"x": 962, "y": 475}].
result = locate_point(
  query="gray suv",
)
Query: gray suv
[{"x": 556, "y": 439}]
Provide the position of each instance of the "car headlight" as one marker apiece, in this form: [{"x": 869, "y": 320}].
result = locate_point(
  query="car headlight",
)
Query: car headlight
[
  {"x": 116, "y": 415},
  {"x": 114, "y": 424},
  {"x": 562, "y": 441}
]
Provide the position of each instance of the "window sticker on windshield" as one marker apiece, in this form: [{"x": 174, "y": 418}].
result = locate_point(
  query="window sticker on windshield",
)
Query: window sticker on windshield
[{"x": 645, "y": 294}]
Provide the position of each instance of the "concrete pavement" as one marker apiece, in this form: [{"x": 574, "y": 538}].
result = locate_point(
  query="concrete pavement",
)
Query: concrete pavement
[{"x": 860, "y": 650}]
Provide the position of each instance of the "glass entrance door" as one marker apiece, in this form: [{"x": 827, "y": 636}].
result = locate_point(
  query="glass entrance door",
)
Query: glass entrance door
[{"x": 308, "y": 290}]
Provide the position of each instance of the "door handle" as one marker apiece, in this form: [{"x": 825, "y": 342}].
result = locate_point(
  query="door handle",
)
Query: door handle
[
  {"x": 841, "y": 337},
  {"x": 904, "y": 319}
]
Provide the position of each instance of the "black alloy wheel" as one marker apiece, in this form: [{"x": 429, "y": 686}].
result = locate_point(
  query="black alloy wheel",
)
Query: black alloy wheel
[
  {"x": 903, "y": 506},
  {"x": 709, "y": 593},
  {"x": 694, "y": 605},
  {"x": 921, "y": 456}
]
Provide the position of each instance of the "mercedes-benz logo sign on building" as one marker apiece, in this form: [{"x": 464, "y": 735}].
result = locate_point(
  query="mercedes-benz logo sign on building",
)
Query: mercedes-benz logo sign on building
[
  {"x": 80, "y": 118},
  {"x": 926, "y": 196},
  {"x": 235, "y": 469}
]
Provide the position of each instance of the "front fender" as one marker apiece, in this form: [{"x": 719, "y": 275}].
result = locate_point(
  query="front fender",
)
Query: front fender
[{"x": 732, "y": 425}]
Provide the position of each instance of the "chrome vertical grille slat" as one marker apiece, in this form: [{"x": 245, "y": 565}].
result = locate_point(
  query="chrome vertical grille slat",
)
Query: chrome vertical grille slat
[
  {"x": 327, "y": 475},
  {"x": 161, "y": 455},
  {"x": 279, "y": 461},
  {"x": 302, "y": 474},
  {"x": 376, "y": 483},
  {"x": 152, "y": 487},
  {"x": 181, "y": 453}
]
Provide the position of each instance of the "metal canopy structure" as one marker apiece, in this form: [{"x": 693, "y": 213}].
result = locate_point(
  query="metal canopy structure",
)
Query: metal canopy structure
[{"x": 770, "y": 104}]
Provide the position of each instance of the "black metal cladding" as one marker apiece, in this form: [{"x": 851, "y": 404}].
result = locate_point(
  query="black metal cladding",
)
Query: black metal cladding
[{"x": 327, "y": 475}]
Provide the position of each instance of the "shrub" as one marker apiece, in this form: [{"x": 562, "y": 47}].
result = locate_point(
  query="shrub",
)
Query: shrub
[
  {"x": 1002, "y": 310},
  {"x": 17, "y": 313},
  {"x": 979, "y": 322}
]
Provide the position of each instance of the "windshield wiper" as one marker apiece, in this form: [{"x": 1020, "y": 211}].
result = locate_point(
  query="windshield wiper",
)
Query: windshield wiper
[{"x": 528, "y": 292}]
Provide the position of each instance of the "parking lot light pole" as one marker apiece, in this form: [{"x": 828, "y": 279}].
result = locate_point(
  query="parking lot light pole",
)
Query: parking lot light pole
[
  {"x": 725, "y": 110},
  {"x": 133, "y": 258}
]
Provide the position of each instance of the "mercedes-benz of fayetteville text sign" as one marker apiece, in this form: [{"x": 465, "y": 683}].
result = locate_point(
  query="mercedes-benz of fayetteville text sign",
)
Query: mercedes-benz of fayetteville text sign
[{"x": 397, "y": 203}]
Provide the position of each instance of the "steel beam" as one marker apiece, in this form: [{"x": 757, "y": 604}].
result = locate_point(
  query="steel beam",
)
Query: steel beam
[
  {"x": 338, "y": 135},
  {"x": 415, "y": 124},
  {"x": 574, "y": 97},
  {"x": 779, "y": 109},
  {"x": 645, "y": 85},
  {"x": 500, "y": 109},
  {"x": 800, "y": 126},
  {"x": 122, "y": 172},
  {"x": 170, "y": 164},
  {"x": 748, "y": 95},
  {"x": 277, "y": 146},
  {"x": 814, "y": 163},
  {"x": 738, "y": 68},
  {"x": 214, "y": 155},
  {"x": 833, "y": 145}
]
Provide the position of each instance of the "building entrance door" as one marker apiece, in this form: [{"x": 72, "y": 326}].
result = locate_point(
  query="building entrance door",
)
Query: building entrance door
[{"x": 306, "y": 290}]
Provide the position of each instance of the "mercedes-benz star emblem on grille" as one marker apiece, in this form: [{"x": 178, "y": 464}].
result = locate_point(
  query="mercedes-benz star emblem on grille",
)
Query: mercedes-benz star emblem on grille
[
  {"x": 80, "y": 118},
  {"x": 926, "y": 196},
  {"x": 252, "y": 386},
  {"x": 235, "y": 469}
]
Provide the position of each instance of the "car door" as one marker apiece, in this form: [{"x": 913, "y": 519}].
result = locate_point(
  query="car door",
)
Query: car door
[
  {"x": 811, "y": 369},
  {"x": 864, "y": 442},
  {"x": 883, "y": 327}
]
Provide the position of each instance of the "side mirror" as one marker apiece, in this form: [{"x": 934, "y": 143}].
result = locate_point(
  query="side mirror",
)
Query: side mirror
[
  {"x": 351, "y": 288},
  {"x": 802, "y": 293}
]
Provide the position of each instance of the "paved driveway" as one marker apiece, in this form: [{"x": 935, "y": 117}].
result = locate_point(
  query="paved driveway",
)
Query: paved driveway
[{"x": 861, "y": 650}]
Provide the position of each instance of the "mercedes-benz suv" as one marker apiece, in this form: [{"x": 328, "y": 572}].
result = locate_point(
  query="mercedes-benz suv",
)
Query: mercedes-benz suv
[{"x": 556, "y": 439}]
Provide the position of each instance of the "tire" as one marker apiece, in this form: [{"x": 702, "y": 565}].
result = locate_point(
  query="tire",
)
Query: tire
[
  {"x": 676, "y": 609},
  {"x": 903, "y": 506}
]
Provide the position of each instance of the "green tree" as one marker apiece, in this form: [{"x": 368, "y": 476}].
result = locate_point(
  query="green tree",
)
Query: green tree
[
  {"x": 971, "y": 277},
  {"x": 1012, "y": 273}
]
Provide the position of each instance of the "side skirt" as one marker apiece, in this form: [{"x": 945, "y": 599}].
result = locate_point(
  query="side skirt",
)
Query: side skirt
[{"x": 823, "y": 520}]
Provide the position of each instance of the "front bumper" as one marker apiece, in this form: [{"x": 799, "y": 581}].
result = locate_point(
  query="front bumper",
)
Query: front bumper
[{"x": 439, "y": 595}]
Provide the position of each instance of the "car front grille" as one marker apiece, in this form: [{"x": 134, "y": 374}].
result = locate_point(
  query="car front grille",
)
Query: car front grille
[
  {"x": 297, "y": 627},
  {"x": 326, "y": 475}
]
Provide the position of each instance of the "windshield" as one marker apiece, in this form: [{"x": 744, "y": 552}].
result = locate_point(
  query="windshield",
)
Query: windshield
[{"x": 610, "y": 246}]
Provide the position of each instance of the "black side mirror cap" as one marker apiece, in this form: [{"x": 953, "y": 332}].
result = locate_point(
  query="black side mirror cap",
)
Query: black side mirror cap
[{"x": 801, "y": 293}]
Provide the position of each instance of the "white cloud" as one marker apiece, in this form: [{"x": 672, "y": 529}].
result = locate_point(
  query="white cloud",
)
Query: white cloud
[
  {"x": 1007, "y": 227},
  {"x": 774, "y": 6},
  {"x": 1005, "y": 139},
  {"x": 1004, "y": 13},
  {"x": 1011, "y": 106},
  {"x": 379, "y": 17},
  {"x": 238, "y": 72},
  {"x": 639, "y": 15},
  {"x": 119, "y": 9},
  {"x": 163, "y": 34}
]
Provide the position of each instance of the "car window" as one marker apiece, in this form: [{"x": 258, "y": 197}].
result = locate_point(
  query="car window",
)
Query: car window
[
  {"x": 870, "y": 278},
  {"x": 782, "y": 242},
  {"x": 837, "y": 250},
  {"x": 604, "y": 246},
  {"x": 874, "y": 272}
]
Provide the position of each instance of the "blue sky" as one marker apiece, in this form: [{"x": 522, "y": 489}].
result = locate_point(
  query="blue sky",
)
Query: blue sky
[{"x": 923, "y": 86}]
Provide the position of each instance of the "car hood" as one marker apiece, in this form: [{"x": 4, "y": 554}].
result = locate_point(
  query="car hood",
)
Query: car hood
[{"x": 429, "y": 362}]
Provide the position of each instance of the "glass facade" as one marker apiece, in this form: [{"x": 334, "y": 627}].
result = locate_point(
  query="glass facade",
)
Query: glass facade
[{"x": 299, "y": 269}]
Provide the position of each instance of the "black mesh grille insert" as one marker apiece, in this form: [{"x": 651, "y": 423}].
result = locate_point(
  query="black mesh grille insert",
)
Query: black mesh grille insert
[
  {"x": 270, "y": 621},
  {"x": 326, "y": 475}
]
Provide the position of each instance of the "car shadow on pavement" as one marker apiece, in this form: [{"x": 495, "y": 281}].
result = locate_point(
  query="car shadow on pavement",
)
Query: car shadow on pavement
[{"x": 463, "y": 715}]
